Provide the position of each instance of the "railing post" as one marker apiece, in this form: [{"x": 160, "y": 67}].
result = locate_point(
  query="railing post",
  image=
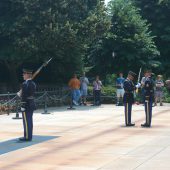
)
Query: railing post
[
  {"x": 45, "y": 104},
  {"x": 8, "y": 98},
  {"x": 17, "y": 111}
]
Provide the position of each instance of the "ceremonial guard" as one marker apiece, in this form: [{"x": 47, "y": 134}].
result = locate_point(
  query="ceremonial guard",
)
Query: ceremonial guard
[
  {"x": 28, "y": 105},
  {"x": 128, "y": 98},
  {"x": 148, "y": 96}
]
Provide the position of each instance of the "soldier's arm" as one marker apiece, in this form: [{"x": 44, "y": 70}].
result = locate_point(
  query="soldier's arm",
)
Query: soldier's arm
[
  {"x": 126, "y": 86},
  {"x": 31, "y": 89}
]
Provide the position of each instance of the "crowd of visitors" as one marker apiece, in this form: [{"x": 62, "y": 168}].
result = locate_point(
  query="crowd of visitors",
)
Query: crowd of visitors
[{"x": 79, "y": 89}]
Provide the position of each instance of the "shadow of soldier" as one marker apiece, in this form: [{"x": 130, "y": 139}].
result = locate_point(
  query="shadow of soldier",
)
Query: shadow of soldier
[{"x": 14, "y": 144}]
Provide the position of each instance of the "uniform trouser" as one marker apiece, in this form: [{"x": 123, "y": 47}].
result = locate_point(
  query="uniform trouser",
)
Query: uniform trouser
[
  {"x": 148, "y": 111},
  {"x": 128, "y": 111},
  {"x": 28, "y": 124}
]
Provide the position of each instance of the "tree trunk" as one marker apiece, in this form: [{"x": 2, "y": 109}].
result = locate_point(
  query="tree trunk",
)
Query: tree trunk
[{"x": 13, "y": 78}]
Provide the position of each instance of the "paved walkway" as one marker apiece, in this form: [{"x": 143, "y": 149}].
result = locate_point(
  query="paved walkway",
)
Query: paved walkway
[{"x": 88, "y": 138}]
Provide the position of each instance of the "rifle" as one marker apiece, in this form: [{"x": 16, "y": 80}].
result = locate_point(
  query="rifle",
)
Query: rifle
[
  {"x": 40, "y": 68},
  {"x": 37, "y": 72},
  {"x": 138, "y": 79}
]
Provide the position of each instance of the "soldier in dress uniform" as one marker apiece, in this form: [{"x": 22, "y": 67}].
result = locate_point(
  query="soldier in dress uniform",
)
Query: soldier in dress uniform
[
  {"x": 128, "y": 98},
  {"x": 28, "y": 105},
  {"x": 148, "y": 96}
]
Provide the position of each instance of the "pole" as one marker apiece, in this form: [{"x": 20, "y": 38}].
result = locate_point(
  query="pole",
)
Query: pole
[{"x": 17, "y": 112}]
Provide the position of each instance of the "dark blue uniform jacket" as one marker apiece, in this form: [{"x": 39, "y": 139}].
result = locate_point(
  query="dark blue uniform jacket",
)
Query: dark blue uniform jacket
[
  {"x": 129, "y": 88},
  {"x": 149, "y": 89},
  {"x": 28, "y": 91}
]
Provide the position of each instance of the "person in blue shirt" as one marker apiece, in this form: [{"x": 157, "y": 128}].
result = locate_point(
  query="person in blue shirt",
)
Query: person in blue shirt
[
  {"x": 120, "y": 91},
  {"x": 28, "y": 105}
]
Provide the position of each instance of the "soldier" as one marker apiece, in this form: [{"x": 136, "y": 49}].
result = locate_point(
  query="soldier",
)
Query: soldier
[
  {"x": 148, "y": 96},
  {"x": 28, "y": 105},
  {"x": 128, "y": 98}
]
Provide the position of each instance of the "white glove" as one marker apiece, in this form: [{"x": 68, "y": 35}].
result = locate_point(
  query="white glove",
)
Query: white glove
[
  {"x": 138, "y": 85},
  {"x": 19, "y": 94},
  {"x": 22, "y": 109}
]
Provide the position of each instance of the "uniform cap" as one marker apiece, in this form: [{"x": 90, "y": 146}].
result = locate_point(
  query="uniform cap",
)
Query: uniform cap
[
  {"x": 148, "y": 70},
  {"x": 132, "y": 74},
  {"x": 28, "y": 71}
]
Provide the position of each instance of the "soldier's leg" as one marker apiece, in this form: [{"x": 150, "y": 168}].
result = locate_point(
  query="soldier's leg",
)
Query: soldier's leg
[
  {"x": 150, "y": 112},
  {"x": 29, "y": 123},
  {"x": 31, "y": 126},
  {"x": 24, "y": 123},
  {"x": 126, "y": 113},
  {"x": 147, "y": 112},
  {"x": 127, "y": 116},
  {"x": 25, "y": 120},
  {"x": 129, "y": 112}
]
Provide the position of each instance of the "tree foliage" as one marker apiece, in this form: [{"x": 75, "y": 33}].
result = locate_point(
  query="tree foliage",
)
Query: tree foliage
[
  {"x": 157, "y": 12},
  {"x": 34, "y": 30},
  {"x": 82, "y": 35},
  {"x": 129, "y": 38}
]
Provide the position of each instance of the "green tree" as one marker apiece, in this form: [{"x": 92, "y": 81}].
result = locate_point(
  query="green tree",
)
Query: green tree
[
  {"x": 157, "y": 12},
  {"x": 129, "y": 38},
  {"x": 32, "y": 31}
]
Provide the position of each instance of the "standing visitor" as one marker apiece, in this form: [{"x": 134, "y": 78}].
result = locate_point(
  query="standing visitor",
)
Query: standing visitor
[
  {"x": 74, "y": 85},
  {"x": 120, "y": 90},
  {"x": 97, "y": 86},
  {"x": 83, "y": 88},
  {"x": 159, "y": 84}
]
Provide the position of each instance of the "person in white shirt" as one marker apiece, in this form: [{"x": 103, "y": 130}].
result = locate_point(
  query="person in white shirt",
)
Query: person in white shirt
[{"x": 84, "y": 88}]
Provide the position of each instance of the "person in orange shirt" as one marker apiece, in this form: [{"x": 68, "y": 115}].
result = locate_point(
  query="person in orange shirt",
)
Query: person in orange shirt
[{"x": 74, "y": 85}]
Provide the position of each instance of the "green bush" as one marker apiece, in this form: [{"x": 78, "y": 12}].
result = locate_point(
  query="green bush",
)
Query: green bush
[
  {"x": 108, "y": 94},
  {"x": 166, "y": 96},
  {"x": 110, "y": 79},
  {"x": 106, "y": 90}
]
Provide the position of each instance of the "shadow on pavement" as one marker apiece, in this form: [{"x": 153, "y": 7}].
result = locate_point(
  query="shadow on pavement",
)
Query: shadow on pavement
[{"x": 14, "y": 144}]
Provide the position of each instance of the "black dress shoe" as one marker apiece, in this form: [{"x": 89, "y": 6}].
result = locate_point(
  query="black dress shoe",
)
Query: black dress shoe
[
  {"x": 24, "y": 140},
  {"x": 21, "y": 139},
  {"x": 130, "y": 124},
  {"x": 145, "y": 125}
]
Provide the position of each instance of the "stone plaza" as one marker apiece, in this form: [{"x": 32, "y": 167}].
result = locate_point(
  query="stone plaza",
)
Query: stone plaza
[{"x": 87, "y": 138}]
